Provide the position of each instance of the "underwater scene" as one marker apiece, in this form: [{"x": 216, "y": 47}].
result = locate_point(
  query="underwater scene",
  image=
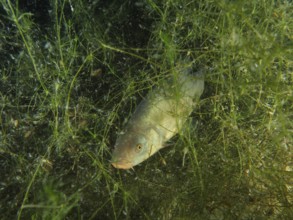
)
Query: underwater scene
[{"x": 147, "y": 109}]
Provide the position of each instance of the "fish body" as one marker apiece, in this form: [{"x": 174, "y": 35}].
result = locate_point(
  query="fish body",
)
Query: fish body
[{"x": 157, "y": 119}]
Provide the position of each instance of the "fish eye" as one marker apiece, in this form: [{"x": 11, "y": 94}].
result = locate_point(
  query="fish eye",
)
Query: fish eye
[{"x": 138, "y": 147}]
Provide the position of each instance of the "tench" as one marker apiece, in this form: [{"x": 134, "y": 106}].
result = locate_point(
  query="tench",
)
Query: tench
[{"x": 158, "y": 118}]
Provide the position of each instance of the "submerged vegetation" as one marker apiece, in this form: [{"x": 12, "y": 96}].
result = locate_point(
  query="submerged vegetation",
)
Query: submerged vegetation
[{"x": 73, "y": 71}]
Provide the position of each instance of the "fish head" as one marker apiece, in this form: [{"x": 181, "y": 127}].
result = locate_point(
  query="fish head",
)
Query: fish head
[{"x": 131, "y": 149}]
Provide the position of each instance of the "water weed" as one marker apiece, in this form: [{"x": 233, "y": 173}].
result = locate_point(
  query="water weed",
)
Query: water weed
[{"x": 73, "y": 72}]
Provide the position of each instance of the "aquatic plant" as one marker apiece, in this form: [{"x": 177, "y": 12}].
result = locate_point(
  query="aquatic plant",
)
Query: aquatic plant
[{"x": 73, "y": 72}]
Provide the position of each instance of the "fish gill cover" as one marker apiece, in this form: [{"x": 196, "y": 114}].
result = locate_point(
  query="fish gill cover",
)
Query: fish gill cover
[{"x": 73, "y": 72}]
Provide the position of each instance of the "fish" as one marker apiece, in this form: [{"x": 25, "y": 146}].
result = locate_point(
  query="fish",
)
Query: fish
[{"x": 158, "y": 117}]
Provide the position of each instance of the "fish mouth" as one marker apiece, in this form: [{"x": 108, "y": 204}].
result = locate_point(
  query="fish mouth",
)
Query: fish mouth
[{"x": 122, "y": 164}]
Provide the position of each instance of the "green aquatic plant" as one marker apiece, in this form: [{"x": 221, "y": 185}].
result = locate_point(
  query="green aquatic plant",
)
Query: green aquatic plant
[{"x": 73, "y": 72}]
